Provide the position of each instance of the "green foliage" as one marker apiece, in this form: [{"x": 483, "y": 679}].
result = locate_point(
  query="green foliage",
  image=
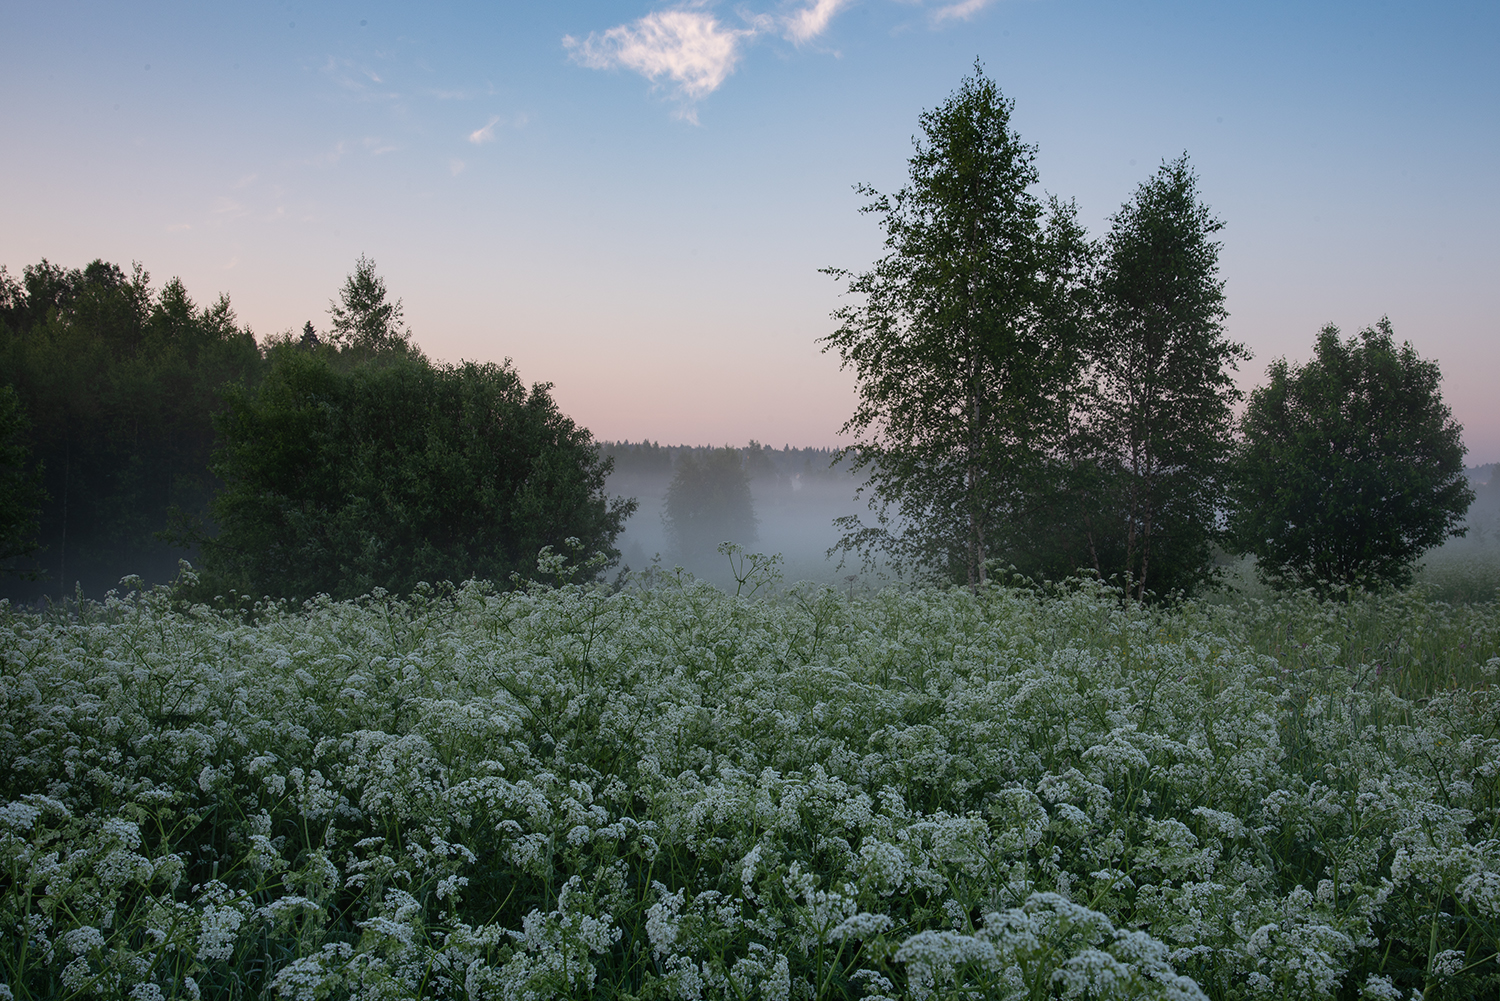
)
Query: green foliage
[
  {"x": 1351, "y": 466},
  {"x": 964, "y": 341},
  {"x": 709, "y": 502},
  {"x": 119, "y": 384},
  {"x": 20, "y": 485},
  {"x": 1144, "y": 472},
  {"x": 347, "y": 474},
  {"x": 667, "y": 792},
  {"x": 362, "y": 317}
]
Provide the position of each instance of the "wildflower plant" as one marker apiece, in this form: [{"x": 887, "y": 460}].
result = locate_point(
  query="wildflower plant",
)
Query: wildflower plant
[{"x": 664, "y": 791}]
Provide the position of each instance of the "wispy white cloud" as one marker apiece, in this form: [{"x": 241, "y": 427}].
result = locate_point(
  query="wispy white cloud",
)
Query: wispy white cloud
[
  {"x": 485, "y": 134},
  {"x": 812, "y": 20},
  {"x": 456, "y": 166},
  {"x": 689, "y": 47},
  {"x": 961, "y": 11},
  {"x": 356, "y": 79},
  {"x": 376, "y": 146}
]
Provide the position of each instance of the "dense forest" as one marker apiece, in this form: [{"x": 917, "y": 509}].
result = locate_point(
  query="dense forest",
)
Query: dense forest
[
  {"x": 140, "y": 428},
  {"x": 118, "y": 383},
  {"x": 649, "y": 460}
]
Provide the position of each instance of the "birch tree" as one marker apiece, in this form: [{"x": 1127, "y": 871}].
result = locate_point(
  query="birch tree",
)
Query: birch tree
[
  {"x": 962, "y": 339},
  {"x": 1157, "y": 426}
]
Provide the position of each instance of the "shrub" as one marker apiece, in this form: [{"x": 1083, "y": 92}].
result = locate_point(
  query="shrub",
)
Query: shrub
[
  {"x": 1351, "y": 466},
  {"x": 343, "y": 476}
]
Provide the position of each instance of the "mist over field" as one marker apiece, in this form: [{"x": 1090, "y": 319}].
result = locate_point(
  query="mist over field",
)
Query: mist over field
[
  {"x": 796, "y": 495},
  {"x": 1467, "y": 568}
]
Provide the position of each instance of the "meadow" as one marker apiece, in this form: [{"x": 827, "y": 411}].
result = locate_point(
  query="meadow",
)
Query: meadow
[{"x": 668, "y": 791}]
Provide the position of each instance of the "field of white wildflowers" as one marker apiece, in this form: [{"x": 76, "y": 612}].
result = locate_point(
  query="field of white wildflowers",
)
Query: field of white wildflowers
[{"x": 668, "y": 792}]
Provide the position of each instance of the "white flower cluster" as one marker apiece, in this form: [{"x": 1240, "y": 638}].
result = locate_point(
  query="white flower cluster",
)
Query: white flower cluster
[{"x": 664, "y": 791}]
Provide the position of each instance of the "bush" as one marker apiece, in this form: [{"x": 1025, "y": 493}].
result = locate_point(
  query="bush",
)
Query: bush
[
  {"x": 1350, "y": 467},
  {"x": 347, "y": 476}
]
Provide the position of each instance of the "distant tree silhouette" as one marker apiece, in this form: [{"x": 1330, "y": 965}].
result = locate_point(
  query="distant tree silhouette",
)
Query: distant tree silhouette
[{"x": 708, "y": 502}]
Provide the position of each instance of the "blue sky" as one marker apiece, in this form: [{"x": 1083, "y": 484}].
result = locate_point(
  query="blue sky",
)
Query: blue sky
[{"x": 632, "y": 200}]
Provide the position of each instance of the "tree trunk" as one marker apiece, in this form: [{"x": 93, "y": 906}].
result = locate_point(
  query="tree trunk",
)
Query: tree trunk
[{"x": 62, "y": 544}]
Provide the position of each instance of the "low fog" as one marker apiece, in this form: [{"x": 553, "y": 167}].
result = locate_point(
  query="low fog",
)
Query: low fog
[
  {"x": 794, "y": 496},
  {"x": 1481, "y": 541}
]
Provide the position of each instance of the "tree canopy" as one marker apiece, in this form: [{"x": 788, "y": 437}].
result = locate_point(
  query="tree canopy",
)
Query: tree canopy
[
  {"x": 118, "y": 382},
  {"x": 963, "y": 339},
  {"x": 358, "y": 465},
  {"x": 20, "y": 487},
  {"x": 342, "y": 477},
  {"x": 1153, "y": 422},
  {"x": 1350, "y": 466}
]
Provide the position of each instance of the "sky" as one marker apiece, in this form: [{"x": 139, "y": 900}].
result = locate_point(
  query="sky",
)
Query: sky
[{"x": 633, "y": 200}]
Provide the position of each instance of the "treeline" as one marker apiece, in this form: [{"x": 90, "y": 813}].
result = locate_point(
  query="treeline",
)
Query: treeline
[
  {"x": 703, "y": 494},
  {"x": 1035, "y": 400},
  {"x": 115, "y": 386},
  {"x": 1032, "y": 400},
  {"x": 137, "y": 427},
  {"x": 649, "y": 460}
]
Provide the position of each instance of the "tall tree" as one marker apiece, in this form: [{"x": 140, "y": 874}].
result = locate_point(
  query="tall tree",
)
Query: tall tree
[
  {"x": 1350, "y": 466},
  {"x": 963, "y": 341},
  {"x": 363, "y": 315},
  {"x": 1157, "y": 425}
]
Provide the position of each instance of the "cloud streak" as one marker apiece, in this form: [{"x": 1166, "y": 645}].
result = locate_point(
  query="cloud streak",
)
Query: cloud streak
[
  {"x": 692, "y": 51},
  {"x": 485, "y": 134},
  {"x": 688, "y": 47},
  {"x": 812, "y": 20},
  {"x": 961, "y": 11}
]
